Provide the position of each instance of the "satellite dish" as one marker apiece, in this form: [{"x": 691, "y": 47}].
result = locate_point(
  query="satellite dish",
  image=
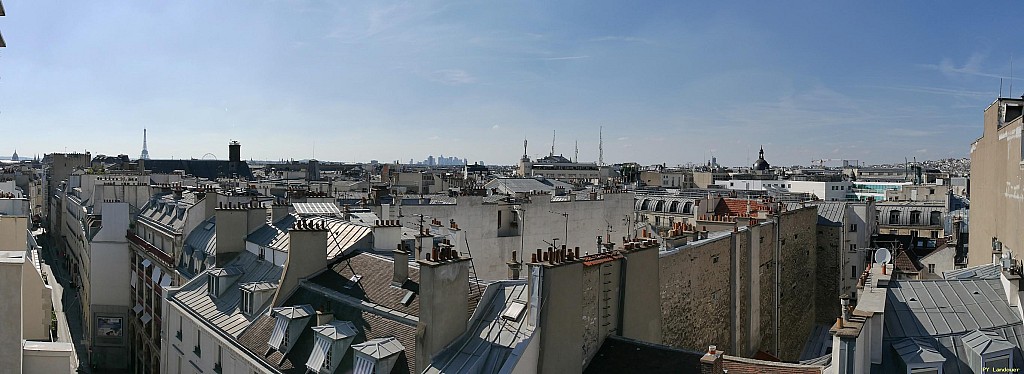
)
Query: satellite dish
[{"x": 882, "y": 256}]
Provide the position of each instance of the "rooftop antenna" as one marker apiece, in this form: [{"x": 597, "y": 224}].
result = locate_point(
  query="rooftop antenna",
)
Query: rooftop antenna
[
  {"x": 576, "y": 157},
  {"x": 552, "y": 143},
  {"x": 600, "y": 146}
]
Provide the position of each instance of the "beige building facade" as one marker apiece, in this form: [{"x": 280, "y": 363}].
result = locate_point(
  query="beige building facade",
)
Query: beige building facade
[{"x": 997, "y": 178}]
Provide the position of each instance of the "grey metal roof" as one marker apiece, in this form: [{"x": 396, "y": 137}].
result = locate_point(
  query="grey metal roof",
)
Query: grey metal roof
[
  {"x": 917, "y": 351},
  {"x": 829, "y": 212},
  {"x": 203, "y": 238},
  {"x": 226, "y": 271},
  {"x": 258, "y": 286},
  {"x": 987, "y": 271},
  {"x": 380, "y": 348},
  {"x": 490, "y": 340},
  {"x": 943, "y": 311},
  {"x": 525, "y": 185},
  {"x": 905, "y": 209},
  {"x": 223, "y": 311},
  {"x": 985, "y": 342},
  {"x": 293, "y": 312},
  {"x": 342, "y": 236},
  {"x": 166, "y": 212},
  {"x": 335, "y": 330},
  {"x": 317, "y": 209}
]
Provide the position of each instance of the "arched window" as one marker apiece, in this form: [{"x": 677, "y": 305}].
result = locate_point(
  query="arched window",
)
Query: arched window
[
  {"x": 645, "y": 205},
  {"x": 688, "y": 207},
  {"x": 659, "y": 206},
  {"x": 674, "y": 207}
]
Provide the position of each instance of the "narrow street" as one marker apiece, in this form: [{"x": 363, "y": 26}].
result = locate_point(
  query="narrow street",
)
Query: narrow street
[{"x": 70, "y": 303}]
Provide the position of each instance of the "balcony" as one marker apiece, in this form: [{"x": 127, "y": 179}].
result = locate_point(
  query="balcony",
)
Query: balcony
[{"x": 151, "y": 249}]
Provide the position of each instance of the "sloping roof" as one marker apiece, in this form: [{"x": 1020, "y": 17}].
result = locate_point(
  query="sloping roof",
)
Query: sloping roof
[
  {"x": 380, "y": 347},
  {"x": 489, "y": 341},
  {"x": 209, "y": 169},
  {"x": 223, "y": 311},
  {"x": 987, "y": 271},
  {"x": 917, "y": 351},
  {"x": 203, "y": 239},
  {"x": 985, "y": 342},
  {"x": 526, "y": 185},
  {"x": 904, "y": 263},
  {"x": 944, "y": 311},
  {"x": 736, "y": 207},
  {"x": 830, "y": 213},
  {"x": 368, "y": 325},
  {"x": 623, "y": 355},
  {"x": 336, "y": 330},
  {"x": 317, "y": 209},
  {"x": 342, "y": 235},
  {"x": 162, "y": 211}
]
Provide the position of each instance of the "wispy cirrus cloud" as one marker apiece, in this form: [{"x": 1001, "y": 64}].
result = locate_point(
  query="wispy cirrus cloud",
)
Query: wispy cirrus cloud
[
  {"x": 971, "y": 67},
  {"x": 452, "y": 77},
  {"x": 564, "y": 58},
  {"x": 623, "y": 39},
  {"x": 937, "y": 91}
]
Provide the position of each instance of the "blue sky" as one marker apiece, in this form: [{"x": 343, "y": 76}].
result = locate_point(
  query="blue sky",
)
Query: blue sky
[{"x": 671, "y": 82}]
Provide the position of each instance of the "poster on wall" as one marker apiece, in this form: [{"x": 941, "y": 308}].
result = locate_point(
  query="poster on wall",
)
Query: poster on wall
[{"x": 109, "y": 330}]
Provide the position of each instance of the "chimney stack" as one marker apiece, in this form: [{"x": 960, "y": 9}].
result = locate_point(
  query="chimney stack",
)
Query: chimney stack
[
  {"x": 278, "y": 211},
  {"x": 711, "y": 363},
  {"x": 307, "y": 254},
  {"x": 444, "y": 307},
  {"x": 401, "y": 258}
]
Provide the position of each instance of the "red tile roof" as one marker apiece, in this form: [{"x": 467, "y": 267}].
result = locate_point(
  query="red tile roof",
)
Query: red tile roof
[
  {"x": 904, "y": 263},
  {"x": 736, "y": 207}
]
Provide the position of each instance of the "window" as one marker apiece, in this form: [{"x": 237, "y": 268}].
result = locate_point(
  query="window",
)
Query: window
[
  {"x": 935, "y": 234},
  {"x": 211, "y": 286},
  {"x": 998, "y": 362},
  {"x": 935, "y": 218},
  {"x": 913, "y": 233},
  {"x": 853, "y": 227},
  {"x": 915, "y": 217},
  {"x": 199, "y": 345},
  {"x": 931, "y": 268},
  {"x": 247, "y": 302},
  {"x": 178, "y": 335},
  {"x": 853, "y": 247},
  {"x": 499, "y": 219},
  {"x": 853, "y": 272},
  {"x": 894, "y": 217}
]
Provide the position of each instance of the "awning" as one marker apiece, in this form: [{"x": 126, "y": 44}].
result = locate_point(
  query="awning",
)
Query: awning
[
  {"x": 316, "y": 358},
  {"x": 146, "y": 263},
  {"x": 165, "y": 281},
  {"x": 156, "y": 274},
  {"x": 146, "y": 318},
  {"x": 135, "y": 279},
  {"x": 137, "y": 308}
]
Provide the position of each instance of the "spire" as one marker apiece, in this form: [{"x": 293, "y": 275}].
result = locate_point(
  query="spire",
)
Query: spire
[
  {"x": 600, "y": 146},
  {"x": 145, "y": 151},
  {"x": 760, "y": 154}
]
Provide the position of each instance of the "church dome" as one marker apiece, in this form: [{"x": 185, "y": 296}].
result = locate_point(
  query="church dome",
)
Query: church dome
[{"x": 761, "y": 164}]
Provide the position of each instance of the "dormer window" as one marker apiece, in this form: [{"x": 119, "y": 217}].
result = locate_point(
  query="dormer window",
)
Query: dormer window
[
  {"x": 254, "y": 295},
  {"x": 377, "y": 356},
  {"x": 919, "y": 356},
  {"x": 988, "y": 352},
  {"x": 220, "y": 279},
  {"x": 290, "y": 321},
  {"x": 331, "y": 342}
]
